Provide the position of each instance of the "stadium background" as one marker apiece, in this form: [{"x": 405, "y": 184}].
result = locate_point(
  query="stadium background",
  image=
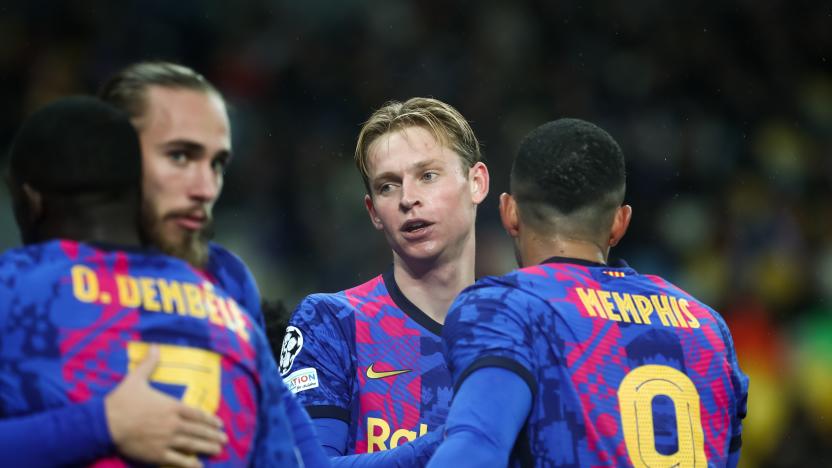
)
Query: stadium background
[{"x": 723, "y": 108}]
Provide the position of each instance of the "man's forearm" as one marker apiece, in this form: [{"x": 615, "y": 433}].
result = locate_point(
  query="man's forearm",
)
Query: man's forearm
[{"x": 74, "y": 434}]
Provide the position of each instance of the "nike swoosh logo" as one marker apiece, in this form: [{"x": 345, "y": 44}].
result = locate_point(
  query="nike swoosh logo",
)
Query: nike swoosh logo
[{"x": 373, "y": 374}]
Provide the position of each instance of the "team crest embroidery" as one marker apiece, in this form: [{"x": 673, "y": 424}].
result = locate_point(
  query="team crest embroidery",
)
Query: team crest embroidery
[{"x": 292, "y": 344}]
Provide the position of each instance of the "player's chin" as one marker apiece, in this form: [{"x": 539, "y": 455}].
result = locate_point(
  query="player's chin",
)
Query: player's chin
[
  {"x": 189, "y": 245},
  {"x": 425, "y": 250}
]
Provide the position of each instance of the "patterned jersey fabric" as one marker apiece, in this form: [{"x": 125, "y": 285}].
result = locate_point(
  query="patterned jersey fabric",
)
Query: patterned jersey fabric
[
  {"x": 75, "y": 317},
  {"x": 227, "y": 271},
  {"x": 369, "y": 357},
  {"x": 625, "y": 369}
]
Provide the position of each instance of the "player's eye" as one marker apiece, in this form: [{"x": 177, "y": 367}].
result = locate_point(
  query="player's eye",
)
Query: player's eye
[
  {"x": 178, "y": 157},
  {"x": 385, "y": 188},
  {"x": 430, "y": 176},
  {"x": 219, "y": 164}
]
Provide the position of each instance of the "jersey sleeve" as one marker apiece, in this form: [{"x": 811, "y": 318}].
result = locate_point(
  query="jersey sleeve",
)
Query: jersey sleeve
[
  {"x": 489, "y": 325},
  {"x": 275, "y": 442},
  {"x": 310, "y": 448},
  {"x": 414, "y": 453},
  {"x": 74, "y": 434},
  {"x": 316, "y": 359},
  {"x": 236, "y": 279},
  {"x": 739, "y": 383},
  {"x": 486, "y": 415}
]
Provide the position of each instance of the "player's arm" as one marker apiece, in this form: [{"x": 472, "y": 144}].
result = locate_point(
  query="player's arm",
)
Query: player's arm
[
  {"x": 306, "y": 438},
  {"x": 316, "y": 345},
  {"x": 134, "y": 419},
  {"x": 333, "y": 434},
  {"x": 488, "y": 342},
  {"x": 285, "y": 435},
  {"x": 487, "y": 413},
  {"x": 68, "y": 435},
  {"x": 412, "y": 454}
]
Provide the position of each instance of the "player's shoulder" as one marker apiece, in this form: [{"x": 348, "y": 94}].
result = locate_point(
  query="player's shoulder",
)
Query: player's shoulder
[
  {"x": 38, "y": 258},
  {"x": 142, "y": 261},
  {"x": 505, "y": 294},
  {"x": 220, "y": 253},
  {"x": 323, "y": 301},
  {"x": 18, "y": 258},
  {"x": 319, "y": 307},
  {"x": 664, "y": 285},
  {"x": 699, "y": 308},
  {"x": 17, "y": 262},
  {"x": 516, "y": 281},
  {"x": 220, "y": 258},
  {"x": 350, "y": 298},
  {"x": 341, "y": 305},
  {"x": 369, "y": 290},
  {"x": 533, "y": 276}
]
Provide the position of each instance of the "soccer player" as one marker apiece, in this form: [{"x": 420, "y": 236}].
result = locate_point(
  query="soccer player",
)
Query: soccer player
[
  {"x": 82, "y": 302},
  {"x": 367, "y": 362},
  {"x": 571, "y": 361},
  {"x": 186, "y": 145},
  {"x": 185, "y": 138}
]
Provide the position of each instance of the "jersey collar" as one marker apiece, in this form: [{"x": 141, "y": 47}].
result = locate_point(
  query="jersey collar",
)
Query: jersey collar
[
  {"x": 110, "y": 246},
  {"x": 614, "y": 263},
  {"x": 408, "y": 307}
]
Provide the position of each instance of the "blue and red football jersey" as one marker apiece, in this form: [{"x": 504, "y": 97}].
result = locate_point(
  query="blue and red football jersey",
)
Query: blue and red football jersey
[
  {"x": 369, "y": 357},
  {"x": 227, "y": 271},
  {"x": 75, "y": 317},
  {"x": 625, "y": 369}
]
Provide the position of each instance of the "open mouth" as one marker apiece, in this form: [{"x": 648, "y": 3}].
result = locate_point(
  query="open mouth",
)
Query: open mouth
[{"x": 415, "y": 226}]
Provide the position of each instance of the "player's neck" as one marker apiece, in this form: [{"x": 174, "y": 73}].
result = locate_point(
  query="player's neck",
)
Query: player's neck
[
  {"x": 433, "y": 285},
  {"x": 534, "y": 249},
  {"x": 102, "y": 225}
]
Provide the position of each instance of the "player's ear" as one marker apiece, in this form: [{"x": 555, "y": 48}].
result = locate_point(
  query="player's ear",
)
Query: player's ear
[
  {"x": 620, "y": 222},
  {"x": 480, "y": 180},
  {"x": 33, "y": 202},
  {"x": 27, "y": 204},
  {"x": 371, "y": 210},
  {"x": 509, "y": 215}
]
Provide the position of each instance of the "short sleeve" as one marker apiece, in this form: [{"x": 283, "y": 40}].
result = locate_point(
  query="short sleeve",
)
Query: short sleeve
[
  {"x": 316, "y": 358},
  {"x": 491, "y": 326}
]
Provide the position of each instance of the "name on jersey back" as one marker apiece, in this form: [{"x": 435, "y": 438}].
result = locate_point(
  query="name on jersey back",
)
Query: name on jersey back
[
  {"x": 159, "y": 295},
  {"x": 637, "y": 308}
]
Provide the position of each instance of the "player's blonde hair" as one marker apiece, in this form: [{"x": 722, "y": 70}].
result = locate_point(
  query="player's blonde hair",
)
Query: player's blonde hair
[{"x": 448, "y": 126}]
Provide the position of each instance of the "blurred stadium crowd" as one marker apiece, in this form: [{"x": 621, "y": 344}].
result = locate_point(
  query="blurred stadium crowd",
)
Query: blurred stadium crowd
[{"x": 724, "y": 110}]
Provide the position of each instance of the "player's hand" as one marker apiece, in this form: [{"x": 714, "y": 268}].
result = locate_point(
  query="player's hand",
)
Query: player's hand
[{"x": 150, "y": 426}]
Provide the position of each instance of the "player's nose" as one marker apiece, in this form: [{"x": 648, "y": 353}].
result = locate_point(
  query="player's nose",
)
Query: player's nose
[
  {"x": 205, "y": 183},
  {"x": 411, "y": 196}
]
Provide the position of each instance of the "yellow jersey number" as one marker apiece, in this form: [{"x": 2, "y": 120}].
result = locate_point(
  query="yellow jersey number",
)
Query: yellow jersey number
[
  {"x": 635, "y": 399},
  {"x": 196, "y": 369}
]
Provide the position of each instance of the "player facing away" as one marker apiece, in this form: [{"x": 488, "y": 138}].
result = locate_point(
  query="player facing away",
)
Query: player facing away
[
  {"x": 82, "y": 302},
  {"x": 184, "y": 132},
  {"x": 367, "y": 361},
  {"x": 571, "y": 361},
  {"x": 186, "y": 146}
]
